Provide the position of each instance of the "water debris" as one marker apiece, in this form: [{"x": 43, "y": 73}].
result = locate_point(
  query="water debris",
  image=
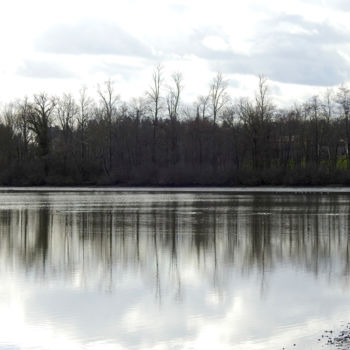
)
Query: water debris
[{"x": 341, "y": 340}]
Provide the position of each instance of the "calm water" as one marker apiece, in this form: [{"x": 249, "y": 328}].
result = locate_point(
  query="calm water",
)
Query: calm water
[{"x": 170, "y": 270}]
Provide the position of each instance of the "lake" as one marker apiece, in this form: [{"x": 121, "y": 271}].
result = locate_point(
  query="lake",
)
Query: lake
[{"x": 173, "y": 269}]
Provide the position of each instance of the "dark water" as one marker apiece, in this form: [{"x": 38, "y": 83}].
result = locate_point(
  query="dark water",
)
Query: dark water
[{"x": 168, "y": 270}]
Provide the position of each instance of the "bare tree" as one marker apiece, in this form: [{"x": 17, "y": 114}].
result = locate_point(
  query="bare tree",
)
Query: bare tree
[
  {"x": 109, "y": 100},
  {"x": 82, "y": 118},
  {"x": 40, "y": 121},
  {"x": 138, "y": 110},
  {"x": 9, "y": 115},
  {"x": 67, "y": 111},
  {"x": 24, "y": 110},
  {"x": 343, "y": 99},
  {"x": 154, "y": 92},
  {"x": 155, "y": 100},
  {"x": 264, "y": 106},
  {"x": 330, "y": 140},
  {"x": 41, "y": 118},
  {"x": 313, "y": 108},
  {"x": 85, "y": 106},
  {"x": 230, "y": 115},
  {"x": 173, "y": 103},
  {"x": 264, "y": 110},
  {"x": 138, "y": 107},
  {"x": 328, "y": 104},
  {"x": 256, "y": 116},
  {"x": 218, "y": 95},
  {"x": 201, "y": 106},
  {"x": 174, "y": 94},
  {"x": 247, "y": 114}
]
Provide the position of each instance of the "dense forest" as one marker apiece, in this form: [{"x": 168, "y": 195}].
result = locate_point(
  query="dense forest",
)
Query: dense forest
[{"x": 159, "y": 140}]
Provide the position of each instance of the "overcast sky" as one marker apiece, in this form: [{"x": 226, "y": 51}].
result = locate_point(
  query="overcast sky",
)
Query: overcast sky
[{"x": 58, "y": 46}]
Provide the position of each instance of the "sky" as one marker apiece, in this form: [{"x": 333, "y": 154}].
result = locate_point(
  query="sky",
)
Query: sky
[{"x": 302, "y": 47}]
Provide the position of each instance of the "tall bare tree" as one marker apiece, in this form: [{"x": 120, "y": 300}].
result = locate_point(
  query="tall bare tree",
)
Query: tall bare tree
[
  {"x": 218, "y": 95},
  {"x": 330, "y": 140},
  {"x": 82, "y": 117},
  {"x": 67, "y": 110},
  {"x": 24, "y": 110},
  {"x": 155, "y": 100},
  {"x": 264, "y": 106},
  {"x": 313, "y": 109},
  {"x": 174, "y": 95},
  {"x": 247, "y": 113},
  {"x": 264, "y": 110},
  {"x": 201, "y": 105},
  {"x": 109, "y": 100},
  {"x": 173, "y": 103},
  {"x": 343, "y": 99},
  {"x": 40, "y": 121}
]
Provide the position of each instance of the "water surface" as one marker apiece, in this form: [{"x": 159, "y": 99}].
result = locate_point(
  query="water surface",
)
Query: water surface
[{"x": 145, "y": 269}]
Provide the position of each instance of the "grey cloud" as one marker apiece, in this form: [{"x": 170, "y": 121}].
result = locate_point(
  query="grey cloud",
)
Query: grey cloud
[
  {"x": 44, "y": 70},
  {"x": 304, "y": 58},
  {"x": 327, "y": 70},
  {"x": 193, "y": 45},
  {"x": 322, "y": 33},
  {"x": 308, "y": 56},
  {"x": 91, "y": 37},
  {"x": 300, "y": 63}
]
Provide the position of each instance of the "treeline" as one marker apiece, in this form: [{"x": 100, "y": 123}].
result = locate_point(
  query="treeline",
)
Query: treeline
[{"x": 159, "y": 140}]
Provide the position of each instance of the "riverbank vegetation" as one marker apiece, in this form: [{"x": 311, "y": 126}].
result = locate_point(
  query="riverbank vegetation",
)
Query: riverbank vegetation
[{"x": 158, "y": 140}]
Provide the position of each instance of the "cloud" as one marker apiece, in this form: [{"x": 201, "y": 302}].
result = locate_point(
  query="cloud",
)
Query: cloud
[
  {"x": 208, "y": 43},
  {"x": 308, "y": 55},
  {"x": 286, "y": 48},
  {"x": 341, "y": 5},
  {"x": 125, "y": 70},
  {"x": 44, "y": 69},
  {"x": 292, "y": 65},
  {"x": 92, "y": 38}
]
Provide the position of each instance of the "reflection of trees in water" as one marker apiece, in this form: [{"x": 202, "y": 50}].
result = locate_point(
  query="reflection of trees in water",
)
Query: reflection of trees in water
[{"x": 164, "y": 244}]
